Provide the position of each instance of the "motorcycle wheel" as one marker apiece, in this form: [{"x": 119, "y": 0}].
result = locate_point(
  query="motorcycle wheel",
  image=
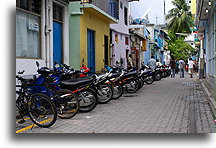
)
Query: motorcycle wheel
[
  {"x": 105, "y": 93},
  {"x": 117, "y": 91},
  {"x": 132, "y": 86},
  {"x": 87, "y": 100},
  {"x": 158, "y": 76},
  {"x": 149, "y": 80}
]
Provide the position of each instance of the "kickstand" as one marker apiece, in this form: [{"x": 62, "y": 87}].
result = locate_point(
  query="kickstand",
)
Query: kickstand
[
  {"x": 22, "y": 120},
  {"x": 32, "y": 126}
]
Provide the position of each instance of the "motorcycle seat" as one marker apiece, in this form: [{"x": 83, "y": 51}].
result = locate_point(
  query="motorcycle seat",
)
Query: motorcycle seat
[
  {"x": 76, "y": 83},
  {"x": 130, "y": 74}
]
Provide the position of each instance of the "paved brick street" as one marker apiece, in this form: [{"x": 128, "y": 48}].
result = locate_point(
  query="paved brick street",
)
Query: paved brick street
[{"x": 172, "y": 105}]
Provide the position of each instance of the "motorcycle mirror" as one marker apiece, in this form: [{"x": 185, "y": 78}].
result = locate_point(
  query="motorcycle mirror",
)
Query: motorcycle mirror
[{"x": 37, "y": 63}]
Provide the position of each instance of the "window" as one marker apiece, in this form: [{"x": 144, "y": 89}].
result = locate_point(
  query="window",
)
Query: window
[
  {"x": 126, "y": 41},
  {"x": 28, "y": 18},
  {"x": 57, "y": 13},
  {"x": 121, "y": 5},
  {"x": 125, "y": 16},
  {"x": 29, "y": 5},
  {"x": 116, "y": 38},
  {"x": 114, "y": 8}
]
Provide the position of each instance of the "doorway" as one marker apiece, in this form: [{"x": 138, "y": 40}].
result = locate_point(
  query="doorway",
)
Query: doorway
[{"x": 91, "y": 49}]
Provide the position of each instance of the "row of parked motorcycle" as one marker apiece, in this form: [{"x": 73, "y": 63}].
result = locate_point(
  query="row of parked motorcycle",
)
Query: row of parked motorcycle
[{"x": 63, "y": 92}]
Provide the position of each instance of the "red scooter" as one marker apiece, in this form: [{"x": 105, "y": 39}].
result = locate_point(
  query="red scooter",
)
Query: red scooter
[{"x": 85, "y": 70}]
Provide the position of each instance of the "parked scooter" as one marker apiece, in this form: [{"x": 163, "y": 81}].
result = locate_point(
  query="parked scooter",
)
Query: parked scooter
[{"x": 104, "y": 91}]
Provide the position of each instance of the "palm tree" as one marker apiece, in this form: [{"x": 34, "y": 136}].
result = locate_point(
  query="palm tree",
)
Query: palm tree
[{"x": 180, "y": 17}]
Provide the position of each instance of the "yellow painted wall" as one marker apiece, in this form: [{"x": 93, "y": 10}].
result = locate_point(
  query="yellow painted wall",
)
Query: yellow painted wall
[
  {"x": 193, "y": 7},
  {"x": 101, "y": 27}
]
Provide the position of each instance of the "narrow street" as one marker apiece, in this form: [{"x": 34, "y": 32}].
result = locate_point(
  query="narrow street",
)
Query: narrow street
[{"x": 172, "y": 105}]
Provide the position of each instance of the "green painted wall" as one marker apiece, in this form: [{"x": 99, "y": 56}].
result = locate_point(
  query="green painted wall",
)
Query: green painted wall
[{"x": 74, "y": 34}]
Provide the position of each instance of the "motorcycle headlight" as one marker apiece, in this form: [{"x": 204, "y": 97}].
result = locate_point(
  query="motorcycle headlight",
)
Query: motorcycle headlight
[{"x": 57, "y": 65}]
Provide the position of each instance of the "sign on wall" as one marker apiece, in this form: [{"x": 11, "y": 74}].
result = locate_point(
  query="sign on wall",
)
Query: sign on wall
[{"x": 33, "y": 26}]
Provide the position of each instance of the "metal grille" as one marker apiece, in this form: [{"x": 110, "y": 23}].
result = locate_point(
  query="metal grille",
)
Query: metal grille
[{"x": 109, "y": 6}]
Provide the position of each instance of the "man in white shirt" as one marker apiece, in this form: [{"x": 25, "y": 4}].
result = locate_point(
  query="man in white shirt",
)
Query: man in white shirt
[
  {"x": 181, "y": 67},
  {"x": 152, "y": 63},
  {"x": 191, "y": 64}
]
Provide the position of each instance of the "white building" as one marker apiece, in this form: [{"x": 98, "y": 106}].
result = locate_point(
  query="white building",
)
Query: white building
[
  {"x": 41, "y": 29},
  {"x": 120, "y": 39}
]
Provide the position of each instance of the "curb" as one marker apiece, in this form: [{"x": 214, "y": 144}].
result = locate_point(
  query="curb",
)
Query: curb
[{"x": 210, "y": 100}]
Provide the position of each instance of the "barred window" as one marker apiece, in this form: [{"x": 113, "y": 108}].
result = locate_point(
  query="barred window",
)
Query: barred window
[{"x": 30, "y": 5}]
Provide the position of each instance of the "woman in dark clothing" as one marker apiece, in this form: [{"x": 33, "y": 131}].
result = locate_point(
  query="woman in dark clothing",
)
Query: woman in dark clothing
[
  {"x": 173, "y": 67},
  {"x": 177, "y": 67}
]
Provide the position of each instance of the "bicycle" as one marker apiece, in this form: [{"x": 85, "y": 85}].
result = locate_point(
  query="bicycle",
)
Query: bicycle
[
  {"x": 67, "y": 102},
  {"x": 38, "y": 107}
]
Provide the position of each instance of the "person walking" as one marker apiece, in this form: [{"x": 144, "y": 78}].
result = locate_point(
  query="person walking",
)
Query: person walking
[
  {"x": 190, "y": 67},
  {"x": 177, "y": 67},
  {"x": 173, "y": 67},
  {"x": 181, "y": 67},
  {"x": 152, "y": 63}
]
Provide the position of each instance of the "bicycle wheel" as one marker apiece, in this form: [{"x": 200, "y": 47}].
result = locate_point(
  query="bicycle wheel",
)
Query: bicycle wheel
[
  {"x": 87, "y": 100},
  {"x": 117, "y": 90},
  {"x": 67, "y": 104},
  {"x": 105, "y": 93},
  {"x": 42, "y": 110}
]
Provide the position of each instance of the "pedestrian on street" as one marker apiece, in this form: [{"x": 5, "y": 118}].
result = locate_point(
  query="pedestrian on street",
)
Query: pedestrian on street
[
  {"x": 177, "y": 67},
  {"x": 190, "y": 67},
  {"x": 181, "y": 67},
  {"x": 152, "y": 63},
  {"x": 130, "y": 62},
  {"x": 173, "y": 67}
]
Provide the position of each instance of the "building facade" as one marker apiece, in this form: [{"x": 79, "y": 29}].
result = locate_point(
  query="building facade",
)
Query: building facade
[
  {"x": 89, "y": 22},
  {"x": 41, "y": 34},
  {"x": 120, "y": 39},
  {"x": 206, "y": 24},
  {"x": 137, "y": 51}
]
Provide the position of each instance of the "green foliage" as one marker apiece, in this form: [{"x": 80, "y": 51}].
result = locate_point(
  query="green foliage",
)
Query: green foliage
[
  {"x": 180, "y": 21},
  {"x": 179, "y": 48},
  {"x": 179, "y": 18}
]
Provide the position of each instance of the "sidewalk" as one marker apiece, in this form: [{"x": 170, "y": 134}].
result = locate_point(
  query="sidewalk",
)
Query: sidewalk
[{"x": 209, "y": 91}]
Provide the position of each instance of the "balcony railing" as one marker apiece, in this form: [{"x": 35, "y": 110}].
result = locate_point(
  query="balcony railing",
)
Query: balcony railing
[{"x": 109, "y": 6}]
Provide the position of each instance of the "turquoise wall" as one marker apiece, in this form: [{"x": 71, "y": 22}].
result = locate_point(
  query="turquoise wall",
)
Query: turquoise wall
[{"x": 74, "y": 34}]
